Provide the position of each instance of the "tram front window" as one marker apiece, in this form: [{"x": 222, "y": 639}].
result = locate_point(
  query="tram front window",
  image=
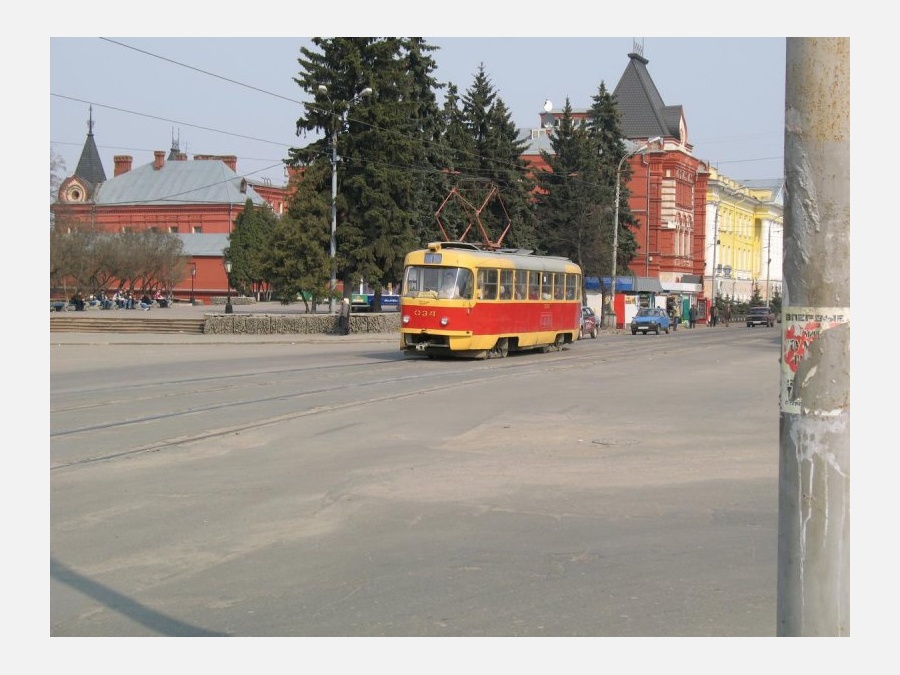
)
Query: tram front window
[{"x": 437, "y": 282}]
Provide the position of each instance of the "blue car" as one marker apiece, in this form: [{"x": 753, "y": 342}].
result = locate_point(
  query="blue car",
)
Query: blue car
[{"x": 650, "y": 319}]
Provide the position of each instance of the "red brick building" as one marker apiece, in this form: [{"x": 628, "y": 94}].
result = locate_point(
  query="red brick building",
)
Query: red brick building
[
  {"x": 198, "y": 200},
  {"x": 667, "y": 187}
]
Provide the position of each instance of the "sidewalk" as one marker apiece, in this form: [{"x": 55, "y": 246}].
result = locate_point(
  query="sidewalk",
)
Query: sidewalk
[{"x": 66, "y": 338}]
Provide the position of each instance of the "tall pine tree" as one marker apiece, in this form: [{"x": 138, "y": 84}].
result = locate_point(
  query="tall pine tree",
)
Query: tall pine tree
[
  {"x": 496, "y": 165},
  {"x": 297, "y": 258},
  {"x": 570, "y": 193},
  {"x": 605, "y": 131},
  {"x": 381, "y": 144}
]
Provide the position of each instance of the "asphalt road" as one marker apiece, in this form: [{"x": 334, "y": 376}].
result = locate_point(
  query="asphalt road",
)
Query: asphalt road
[{"x": 624, "y": 486}]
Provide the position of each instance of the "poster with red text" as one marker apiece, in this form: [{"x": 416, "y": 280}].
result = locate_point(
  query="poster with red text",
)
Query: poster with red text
[{"x": 801, "y": 327}]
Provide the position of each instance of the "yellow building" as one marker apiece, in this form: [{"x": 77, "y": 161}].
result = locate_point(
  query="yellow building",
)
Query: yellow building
[{"x": 745, "y": 237}]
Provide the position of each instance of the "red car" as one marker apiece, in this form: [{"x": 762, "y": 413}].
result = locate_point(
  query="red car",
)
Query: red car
[{"x": 588, "y": 323}]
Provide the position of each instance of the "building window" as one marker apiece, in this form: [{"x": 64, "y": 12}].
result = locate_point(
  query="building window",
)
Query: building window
[
  {"x": 173, "y": 229},
  {"x": 126, "y": 229},
  {"x": 197, "y": 229}
]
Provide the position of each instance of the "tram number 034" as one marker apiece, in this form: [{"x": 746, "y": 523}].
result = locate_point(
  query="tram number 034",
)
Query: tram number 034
[{"x": 424, "y": 312}]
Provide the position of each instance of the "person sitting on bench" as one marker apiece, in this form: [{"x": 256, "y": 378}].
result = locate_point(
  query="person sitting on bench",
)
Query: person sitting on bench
[{"x": 78, "y": 301}]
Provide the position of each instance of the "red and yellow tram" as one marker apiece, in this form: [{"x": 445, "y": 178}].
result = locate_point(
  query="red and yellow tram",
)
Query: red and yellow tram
[{"x": 459, "y": 299}]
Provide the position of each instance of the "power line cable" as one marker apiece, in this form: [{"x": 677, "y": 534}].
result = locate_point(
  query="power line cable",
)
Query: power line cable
[{"x": 200, "y": 70}]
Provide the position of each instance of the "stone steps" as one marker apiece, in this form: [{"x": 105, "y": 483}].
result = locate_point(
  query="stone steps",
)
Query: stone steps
[{"x": 77, "y": 322}]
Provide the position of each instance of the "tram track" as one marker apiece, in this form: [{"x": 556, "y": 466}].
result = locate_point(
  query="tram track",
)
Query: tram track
[{"x": 301, "y": 392}]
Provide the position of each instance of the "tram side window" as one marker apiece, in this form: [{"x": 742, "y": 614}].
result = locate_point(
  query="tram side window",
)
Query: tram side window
[
  {"x": 546, "y": 285},
  {"x": 559, "y": 285},
  {"x": 534, "y": 285},
  {"x": 506, "y": 284},
  {"x": 487, "y": 284},
  {"x": 521, "y": 284},
  {"x": 571, "y": 287}
]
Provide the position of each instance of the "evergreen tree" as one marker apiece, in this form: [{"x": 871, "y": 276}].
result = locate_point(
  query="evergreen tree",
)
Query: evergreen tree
[
  {"x": 454, "y": 158},
  {"x": 380, "y": 143},
  {"x": 496, "y": 165},
  {"x": 605, "y": 129},
  {"x": 392, "y": 188},
  {"x": 514, "y": 180},
  {"x": 457, "y": 144},
  {"x": 775, "y": 302},
  {"x": 755, "y": 295},
  {"x": 430, "y": 176},
  {"x": 247, "y": 245},
  {"x": 569, "y": 195},
  {"x": 297, "y": 260}
]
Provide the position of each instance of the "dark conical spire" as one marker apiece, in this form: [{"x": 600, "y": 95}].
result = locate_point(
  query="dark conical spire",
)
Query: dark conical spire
[
  {"x": 643, "y": 112},
  {"x": 90, "y": 168}
]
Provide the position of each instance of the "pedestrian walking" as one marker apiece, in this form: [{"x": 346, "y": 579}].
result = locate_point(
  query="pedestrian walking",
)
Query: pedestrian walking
[
  {"x": 713, "y": 315},
  {"x": 692, "y": 316}
]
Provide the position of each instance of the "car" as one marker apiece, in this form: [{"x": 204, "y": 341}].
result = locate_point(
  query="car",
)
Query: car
[
  {"x": 650, "y": 319},
  {"x": 589, "y": 323},
  {"x": 760, "y": 316}
]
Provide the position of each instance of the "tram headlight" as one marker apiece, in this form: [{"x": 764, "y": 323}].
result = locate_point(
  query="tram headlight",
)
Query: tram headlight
[
  {"x": 405, "y": 319},
  {"x": 444, "y": 320}
]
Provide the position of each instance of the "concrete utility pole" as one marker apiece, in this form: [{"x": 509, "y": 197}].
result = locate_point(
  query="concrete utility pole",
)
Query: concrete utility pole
[{"x": 814, "y": 460}]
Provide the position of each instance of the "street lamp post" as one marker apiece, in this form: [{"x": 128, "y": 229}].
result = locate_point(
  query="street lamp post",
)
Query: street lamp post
[
  {"x": 322, "y": 89},
  {"x": 228, "y": 308},
  {"x": 193, "y": 274},
  {"x": 609, "y": 313}
]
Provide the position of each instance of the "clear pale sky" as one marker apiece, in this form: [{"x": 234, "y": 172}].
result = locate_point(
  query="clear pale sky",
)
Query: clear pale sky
[{"x": 237, "y": 96}]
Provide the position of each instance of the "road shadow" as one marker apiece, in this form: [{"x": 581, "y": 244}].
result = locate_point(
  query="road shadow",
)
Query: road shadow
[{"x": 153, "y": 620}]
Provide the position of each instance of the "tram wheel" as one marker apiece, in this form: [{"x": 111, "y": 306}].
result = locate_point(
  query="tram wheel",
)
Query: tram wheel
[{"x": 501, "y": 349}]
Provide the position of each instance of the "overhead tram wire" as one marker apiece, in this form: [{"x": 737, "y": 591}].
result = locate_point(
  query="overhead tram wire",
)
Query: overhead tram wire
[
  {"x": 205, "y": 72},
  {"x": 166, "y": 119}
]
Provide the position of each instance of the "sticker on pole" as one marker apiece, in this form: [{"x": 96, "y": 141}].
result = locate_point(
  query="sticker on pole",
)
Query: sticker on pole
[{"x": 801, "y": 327}]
